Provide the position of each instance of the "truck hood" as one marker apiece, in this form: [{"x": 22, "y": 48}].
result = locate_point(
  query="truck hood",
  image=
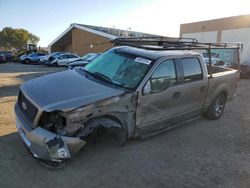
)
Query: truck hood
[{"x": 66, "y": 90}]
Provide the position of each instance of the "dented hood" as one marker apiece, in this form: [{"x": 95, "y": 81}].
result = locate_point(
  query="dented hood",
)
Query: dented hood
[{"x": 66, "y": 90}]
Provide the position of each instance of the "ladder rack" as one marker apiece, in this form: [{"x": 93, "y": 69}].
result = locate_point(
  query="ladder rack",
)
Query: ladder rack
[{"x": 169, "y": 43}]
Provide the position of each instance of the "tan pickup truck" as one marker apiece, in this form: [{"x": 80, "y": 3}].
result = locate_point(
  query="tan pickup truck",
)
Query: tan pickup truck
[{"x": 126, "y": 91}]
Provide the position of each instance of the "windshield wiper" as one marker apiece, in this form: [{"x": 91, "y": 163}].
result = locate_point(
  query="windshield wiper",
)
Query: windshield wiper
[{"x": 101, "y": 76}]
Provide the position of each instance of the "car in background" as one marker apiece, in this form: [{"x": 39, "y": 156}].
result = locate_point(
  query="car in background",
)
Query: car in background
[
  {"x": 2, "y": 58},
  {"x": 216, "y": 62},
  {"x": 47, "y": 61},
  {"x": 63, "y": 60},
  {"x": 82, "y": 62},
  {"x": 33, "y": 58},
  {"x": 245, "y": 69},
  {"x": 88, "y": 55},
  {"x": 9, "y": 55},
  {"x": 44, "y": 59}
]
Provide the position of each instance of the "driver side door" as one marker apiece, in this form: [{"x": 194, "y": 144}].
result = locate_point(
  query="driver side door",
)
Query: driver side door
[{"x": 160, "y": 96}]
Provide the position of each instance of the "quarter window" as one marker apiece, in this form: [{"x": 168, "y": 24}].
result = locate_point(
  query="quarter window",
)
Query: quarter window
[{"x": 191, "y": 69}]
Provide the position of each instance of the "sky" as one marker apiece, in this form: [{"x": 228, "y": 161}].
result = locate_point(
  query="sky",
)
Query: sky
[{"x": 49, "y": 18}]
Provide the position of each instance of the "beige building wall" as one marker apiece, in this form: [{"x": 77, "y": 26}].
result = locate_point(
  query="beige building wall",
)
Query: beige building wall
[
  {"x": 231, "y": 29},
  {"x": 219, "y": 25},
  {"x": 84, "y": 42},
  {"x": 68, "y": 48},
  {"x": 55, "y": 48},
  {"x": 210, "y": 36}
]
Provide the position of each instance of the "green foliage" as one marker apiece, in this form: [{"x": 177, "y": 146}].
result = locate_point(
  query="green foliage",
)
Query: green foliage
[
  {"x": 33, "y": 39},
  {"x": 16, "y": 38}
]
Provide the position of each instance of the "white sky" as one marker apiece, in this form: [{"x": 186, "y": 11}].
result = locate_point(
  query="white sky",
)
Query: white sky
[
  {"x": 164, "y": 16},
  {"x": 49, "y": 18}
]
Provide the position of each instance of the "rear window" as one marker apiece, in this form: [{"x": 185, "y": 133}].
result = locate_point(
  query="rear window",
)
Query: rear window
[{"x": 191, "y": 69}]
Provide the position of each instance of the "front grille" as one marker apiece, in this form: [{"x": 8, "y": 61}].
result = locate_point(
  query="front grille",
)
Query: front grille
[{"x": 27, "y": 108}]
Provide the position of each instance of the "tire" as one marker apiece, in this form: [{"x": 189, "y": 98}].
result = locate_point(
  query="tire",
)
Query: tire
[
  {"x": 27, "y": 61},
  {"x": 55, "y": 64},
  {"x": 217, "y": 107}
]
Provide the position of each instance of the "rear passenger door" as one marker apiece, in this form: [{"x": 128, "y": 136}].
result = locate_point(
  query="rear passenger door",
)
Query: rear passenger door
[{"x": 193, "y": 85}]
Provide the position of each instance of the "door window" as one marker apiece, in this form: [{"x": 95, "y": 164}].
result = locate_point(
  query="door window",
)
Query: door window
[
  {"x": 163, "y": 77},
  {"x": 191, "y": 69}
]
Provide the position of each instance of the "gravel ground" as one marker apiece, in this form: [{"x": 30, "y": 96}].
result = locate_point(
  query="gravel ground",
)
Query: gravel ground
[{"x": 202, "y": 153}]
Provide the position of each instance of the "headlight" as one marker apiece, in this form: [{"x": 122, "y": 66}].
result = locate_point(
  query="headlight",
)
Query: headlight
[{"x": 53, "y": 122}]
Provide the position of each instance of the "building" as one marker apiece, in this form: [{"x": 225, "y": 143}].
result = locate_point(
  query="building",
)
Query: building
[
  {"x": 81, "y": 39},
  {"x": 230, "y": 29}
]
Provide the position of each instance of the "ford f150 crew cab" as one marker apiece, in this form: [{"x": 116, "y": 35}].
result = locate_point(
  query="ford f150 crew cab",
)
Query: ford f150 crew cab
[{"x": 127, "y": 91}]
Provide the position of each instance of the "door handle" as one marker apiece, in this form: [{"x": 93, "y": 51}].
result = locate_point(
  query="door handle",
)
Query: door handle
[
  {"x": 203, "y": 88},
  {"x": 176, "y": 95}
]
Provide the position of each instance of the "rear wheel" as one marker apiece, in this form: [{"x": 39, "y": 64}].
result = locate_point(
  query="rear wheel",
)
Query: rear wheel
[{"x": 217, "y": 107}]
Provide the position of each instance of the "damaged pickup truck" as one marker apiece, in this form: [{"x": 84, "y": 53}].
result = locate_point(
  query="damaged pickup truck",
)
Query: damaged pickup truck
[{"x": 126, "y": 91}]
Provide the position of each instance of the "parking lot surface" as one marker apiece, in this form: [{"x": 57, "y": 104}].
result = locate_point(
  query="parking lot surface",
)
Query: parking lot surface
[{"x": 201, "y": 153}]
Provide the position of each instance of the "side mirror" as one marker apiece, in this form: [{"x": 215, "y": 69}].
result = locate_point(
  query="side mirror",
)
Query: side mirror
[{"x": 147, "y": 88}]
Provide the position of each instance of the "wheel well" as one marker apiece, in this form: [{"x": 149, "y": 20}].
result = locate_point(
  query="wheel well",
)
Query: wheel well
[
  {"x": 97, "y": 122},
  {"x": 114, "y": 118},
  {"x": 107, "y": 122},
  {"x": 224, "y": 93}
]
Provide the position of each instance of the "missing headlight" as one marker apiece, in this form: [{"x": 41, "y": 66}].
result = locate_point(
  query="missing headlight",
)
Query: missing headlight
[{"x": 53, "y": 122}]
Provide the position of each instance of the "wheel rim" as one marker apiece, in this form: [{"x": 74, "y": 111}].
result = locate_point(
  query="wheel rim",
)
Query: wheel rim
[{"x": 219, "y": 106}]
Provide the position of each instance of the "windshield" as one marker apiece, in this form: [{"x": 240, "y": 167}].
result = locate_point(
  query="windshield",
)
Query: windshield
[{"x": 119, "y": 69}]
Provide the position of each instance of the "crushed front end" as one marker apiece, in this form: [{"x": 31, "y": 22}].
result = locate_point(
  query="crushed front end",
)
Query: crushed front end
[{"x": 43, "y": 133}]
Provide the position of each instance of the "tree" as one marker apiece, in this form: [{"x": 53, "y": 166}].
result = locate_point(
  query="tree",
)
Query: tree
[
  {"x": 33, "y": 39},
  {"x": 16, "y": 38}
]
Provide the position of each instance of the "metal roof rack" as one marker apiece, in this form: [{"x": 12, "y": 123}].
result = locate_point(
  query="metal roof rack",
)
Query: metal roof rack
[{"x": 169, "y": 43}]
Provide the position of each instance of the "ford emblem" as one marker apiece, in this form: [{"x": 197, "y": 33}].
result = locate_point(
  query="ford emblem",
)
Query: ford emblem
[{"x": 24, "y": 105}]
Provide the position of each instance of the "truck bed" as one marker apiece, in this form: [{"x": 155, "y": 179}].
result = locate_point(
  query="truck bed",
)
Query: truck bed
[{"x": 216, "y": 69}]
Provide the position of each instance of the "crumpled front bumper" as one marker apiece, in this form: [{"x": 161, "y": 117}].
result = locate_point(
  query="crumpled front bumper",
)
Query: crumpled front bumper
[{"x": 44, "y": 144}]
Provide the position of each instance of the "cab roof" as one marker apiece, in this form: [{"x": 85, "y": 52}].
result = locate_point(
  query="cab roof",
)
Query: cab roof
[{"x": 153, "y": 54}]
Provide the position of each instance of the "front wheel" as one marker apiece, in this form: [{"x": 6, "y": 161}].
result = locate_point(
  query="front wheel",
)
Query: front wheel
[
  {"x": 217, "y": 107},
  {"x": 27, "y": 61},
  {"x": 55, "y": 64}
]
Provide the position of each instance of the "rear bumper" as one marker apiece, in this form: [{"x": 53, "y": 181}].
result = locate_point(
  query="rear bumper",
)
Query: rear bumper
[{"x": 44, "y": 144}]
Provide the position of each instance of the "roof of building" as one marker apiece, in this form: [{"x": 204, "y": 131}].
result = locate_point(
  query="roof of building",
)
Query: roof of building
[{"x": 110, "y": 33}]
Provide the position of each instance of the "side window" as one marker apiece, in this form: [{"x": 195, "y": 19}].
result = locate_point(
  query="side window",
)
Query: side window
[
  {"x": 163, "y": 77},
  {"x": 192, "y": 69},
  {"x": 61, "y": 57}
]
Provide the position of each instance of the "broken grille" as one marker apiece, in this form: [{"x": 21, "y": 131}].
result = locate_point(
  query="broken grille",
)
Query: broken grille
[{"x": 27, "y": 108}]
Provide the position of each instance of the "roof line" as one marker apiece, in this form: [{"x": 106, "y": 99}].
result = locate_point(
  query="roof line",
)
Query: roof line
[
  {"x": 60, "y": 36},
  {"x": 106, "y": 35}
]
